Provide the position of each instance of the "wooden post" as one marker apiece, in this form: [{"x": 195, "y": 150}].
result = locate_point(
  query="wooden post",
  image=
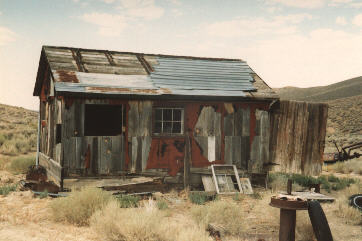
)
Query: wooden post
[
  {"x": 289, "y": 187},
  {"x": 287, "y": 225},
  {"x": 187, "y": 162}
]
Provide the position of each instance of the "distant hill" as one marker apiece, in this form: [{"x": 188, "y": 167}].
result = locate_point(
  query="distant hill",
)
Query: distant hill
[
  {"x": 345, "y": 108},
  {"x": 343, "y": 89},
  {"x": 18, "y": 130}
]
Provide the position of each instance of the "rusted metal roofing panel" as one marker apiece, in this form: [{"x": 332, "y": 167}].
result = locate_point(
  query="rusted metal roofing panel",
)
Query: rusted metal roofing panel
[
  {"x": 109, "y": 72},
  {"x": 97, "y": 89}
]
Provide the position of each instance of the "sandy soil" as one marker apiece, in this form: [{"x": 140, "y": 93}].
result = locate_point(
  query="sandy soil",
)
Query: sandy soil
[{"x": 25, "y": 217}]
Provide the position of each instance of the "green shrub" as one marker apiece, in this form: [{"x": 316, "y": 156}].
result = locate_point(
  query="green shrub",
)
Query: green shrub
[
  {"x": 327, "y": 186},
  {"x": 304, "y": 181},
  {"x": 342, "y": 183},
  {"x": 238, "y": 197},
  {"x": 78, "y": 207},
  {"x": 128, "y": 201},
  {"x": 332, "y": 178},
  {"x": 200, "y": 198},
  {"x": 327, "y": 182},
  {"x": 43, "y": 194},
  {"x": 162, "y": 204},
  {"x": 5, "y": 190},
  {"x": 21, "y": 164}
]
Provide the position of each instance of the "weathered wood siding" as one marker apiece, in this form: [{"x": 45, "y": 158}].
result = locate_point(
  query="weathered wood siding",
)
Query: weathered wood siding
[
  {"x": 218, "y": 132},
  {"x": 237, "y": 136},
  {"x": 297, "y": 136},
  {"x": 139, "y": 134},
  {"x": 89, "y": 155}
]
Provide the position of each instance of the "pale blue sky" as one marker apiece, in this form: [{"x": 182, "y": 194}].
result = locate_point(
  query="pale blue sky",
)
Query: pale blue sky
[{"x": 287, "y": 42}]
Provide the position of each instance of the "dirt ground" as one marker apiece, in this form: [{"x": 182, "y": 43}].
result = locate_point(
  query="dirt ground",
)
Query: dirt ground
[{"x": 25, "y": 217}]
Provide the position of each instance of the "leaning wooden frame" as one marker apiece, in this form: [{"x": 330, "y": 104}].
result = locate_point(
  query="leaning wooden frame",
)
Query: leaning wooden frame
[{"x": 230, "y": 186}]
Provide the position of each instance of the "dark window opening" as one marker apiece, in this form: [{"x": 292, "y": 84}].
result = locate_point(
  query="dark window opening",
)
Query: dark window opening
[
  {"x": 103, "y": 120},
  {"x": 58, "y": 134},
  {"x": 168, "y": 121}
]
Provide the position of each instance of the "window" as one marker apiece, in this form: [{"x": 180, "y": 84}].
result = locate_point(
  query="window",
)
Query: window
[
  {"x": 168, "y": 121},
  {"x": 103, "y": 120}
]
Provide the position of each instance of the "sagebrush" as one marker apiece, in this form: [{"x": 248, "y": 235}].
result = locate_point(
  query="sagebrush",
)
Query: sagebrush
[{"x": 79, "y": 206}]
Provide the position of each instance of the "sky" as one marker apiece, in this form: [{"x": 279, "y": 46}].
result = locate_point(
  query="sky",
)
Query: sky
[{"x": 299, "y": 43}]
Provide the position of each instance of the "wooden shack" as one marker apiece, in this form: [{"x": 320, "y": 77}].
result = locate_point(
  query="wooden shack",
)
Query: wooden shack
[{"x": 106, "y": 114}]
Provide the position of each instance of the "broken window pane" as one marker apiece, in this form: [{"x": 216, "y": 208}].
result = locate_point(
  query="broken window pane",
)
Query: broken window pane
[
  {"x": 167, "y": 114},
  {"x": 176, "y": 115},
  {"x": 158, "y": 127},
  {"x": 167, "y": 127},
  {"x": 176, "y": 127},
  {"x": 158, "y": 115}
]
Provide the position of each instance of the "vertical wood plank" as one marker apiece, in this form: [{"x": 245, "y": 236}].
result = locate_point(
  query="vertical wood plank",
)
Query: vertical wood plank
[
  {"x": 229, "y": 125},
  {"x": 244, "y": 152},
  {"x": 116, "y": 160},
  {"x": 228, "y": 156},
  {"x": 95, "y": 159},
  {"x": 145, "y": 120},
  {"x": 264, "y": 137},
  {"x": 187, "y": 162},
  {"x": 236, "y": 151},
  {"x": 146, "y": 146},
  {"x": 203, "y": 143},
  {"x": 134, "y": 155},
  {"x": 133, "y": 119},
  {"x": 246, "y": 122},
  {"x": 238, "y": 126},
  {"x": 211, "y": 148},
  {"x": 254, "y": 165}
]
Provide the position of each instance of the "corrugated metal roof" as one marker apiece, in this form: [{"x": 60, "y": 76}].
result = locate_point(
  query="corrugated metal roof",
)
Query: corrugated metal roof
[
  {"x": 189, "y": 74},
  {"x": 109, "y": 72}
]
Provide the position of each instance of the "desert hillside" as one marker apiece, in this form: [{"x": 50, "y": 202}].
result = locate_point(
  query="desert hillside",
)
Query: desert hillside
[
  {"x": 343, "y": 89},
  {"x": 345, "y": 107},
  {"x": 18, "y": 130}
]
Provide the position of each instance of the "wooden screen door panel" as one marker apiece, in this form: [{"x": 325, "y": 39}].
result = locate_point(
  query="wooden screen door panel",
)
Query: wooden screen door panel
[{"x": 111, "y": 158}]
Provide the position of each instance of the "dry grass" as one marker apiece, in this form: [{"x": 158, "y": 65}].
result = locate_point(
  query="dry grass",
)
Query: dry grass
[
  {"x": 352, "y": 166},
  {"x": 141, "y": 224},
  {"x": 223, "y": 213},
  {"x": 304, "y": 229},
  {"x": 21, "y": 164},
  {"x": 350, "y": 214},
  {"x": 79, "y": 206}
]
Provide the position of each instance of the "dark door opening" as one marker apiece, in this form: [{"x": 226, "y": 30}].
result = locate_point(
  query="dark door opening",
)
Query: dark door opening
[{"x": 103, "y": 120}]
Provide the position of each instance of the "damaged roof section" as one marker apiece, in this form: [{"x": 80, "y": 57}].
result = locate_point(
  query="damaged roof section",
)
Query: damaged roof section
[{"x": 108, "y": 72}]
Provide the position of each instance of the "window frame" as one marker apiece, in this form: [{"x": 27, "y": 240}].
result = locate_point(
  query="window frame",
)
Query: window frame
[{"x": 182, "y": 120}]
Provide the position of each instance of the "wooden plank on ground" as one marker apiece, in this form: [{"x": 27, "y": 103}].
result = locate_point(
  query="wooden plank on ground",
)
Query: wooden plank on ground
[
  {"x": 246, "y": 186},
  {"x": 209, "y": 185}
]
